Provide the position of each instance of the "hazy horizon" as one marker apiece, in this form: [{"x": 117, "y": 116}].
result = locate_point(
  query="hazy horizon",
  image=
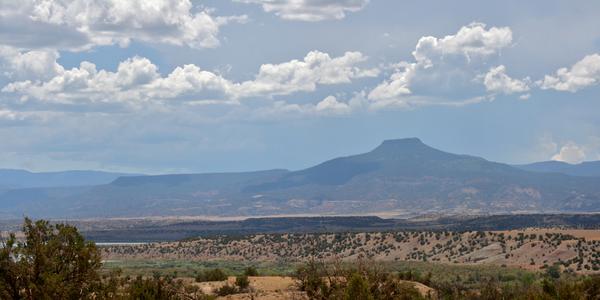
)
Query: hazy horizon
[
  {"x": 217, "y": 86},
  {"x": 282, "y": 168}
]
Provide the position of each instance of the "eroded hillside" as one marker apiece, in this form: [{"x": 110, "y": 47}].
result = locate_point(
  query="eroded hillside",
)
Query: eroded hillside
[{"x": 531, "y": 249}]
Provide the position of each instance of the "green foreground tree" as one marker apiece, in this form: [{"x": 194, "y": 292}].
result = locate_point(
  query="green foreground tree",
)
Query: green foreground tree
[{"x": 51, "y": 262}]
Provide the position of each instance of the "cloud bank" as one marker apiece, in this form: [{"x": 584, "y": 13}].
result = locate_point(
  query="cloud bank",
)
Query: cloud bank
[{"x": 83, "y": 24}]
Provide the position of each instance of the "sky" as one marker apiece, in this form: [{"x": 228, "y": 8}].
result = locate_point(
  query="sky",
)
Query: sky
[{"x": 177, "y": 86}]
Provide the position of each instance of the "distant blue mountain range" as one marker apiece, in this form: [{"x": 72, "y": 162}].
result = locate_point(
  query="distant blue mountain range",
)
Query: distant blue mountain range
[
  {"x": 10, "y": 178},
  {"x": 399, "y": 177},
  {"x": 588, "y": 168}
]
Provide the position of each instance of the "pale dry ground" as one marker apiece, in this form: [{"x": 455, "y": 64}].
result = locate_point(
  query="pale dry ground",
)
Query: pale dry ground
[
  {"x": 261, "y": 287},
  {"x": 181, "y": 218},
  {"x": 6, "y": 234},
  {"x": 269, "y": 288},
  {"x": 528, "y": 249},
  {"x": 423, "y": 289},
  {"x": 274, "y": 288}
]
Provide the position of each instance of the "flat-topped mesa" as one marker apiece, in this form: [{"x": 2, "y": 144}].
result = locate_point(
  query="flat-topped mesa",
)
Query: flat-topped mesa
[
  {"x": 408, "y": 148},
  {"x": 406, "y": 143}
]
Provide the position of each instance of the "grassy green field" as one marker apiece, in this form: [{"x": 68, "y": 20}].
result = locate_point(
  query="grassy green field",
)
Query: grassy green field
[
  {"x": 467, "y": 275},
  {"x": 185, "y": 268}
]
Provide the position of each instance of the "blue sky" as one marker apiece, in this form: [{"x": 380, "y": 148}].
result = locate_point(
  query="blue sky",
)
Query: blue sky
[{"x": 203, "y": 86}]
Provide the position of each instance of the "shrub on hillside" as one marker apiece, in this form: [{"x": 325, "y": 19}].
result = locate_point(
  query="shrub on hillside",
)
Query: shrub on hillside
[
  {"x": 242, "y": 282},
  {"x": 153, "y": 288},
  {"x": 211, "y": 275},
  {"x": 226, "y": 290},
  {"x": 364, "y": 280},
  {"x": 358, "y": 288},
  {"x": 251, "y": 271}
]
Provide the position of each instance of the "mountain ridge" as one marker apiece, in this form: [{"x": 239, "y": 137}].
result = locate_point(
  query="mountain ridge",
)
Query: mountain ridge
[
  {"x": 586, "y": 168},
  {"x": 401, "y": 176},
  {"x": 19, "y": 178}
]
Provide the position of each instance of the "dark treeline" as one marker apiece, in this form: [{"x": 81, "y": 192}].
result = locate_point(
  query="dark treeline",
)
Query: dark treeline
[{"x": 183, "y": 230}]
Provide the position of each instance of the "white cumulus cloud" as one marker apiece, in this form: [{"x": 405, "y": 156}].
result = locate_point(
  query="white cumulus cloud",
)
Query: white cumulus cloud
[
  {"x": 471, "y": 41},
  {"x": 582, "y": 74},
  {"x": 443, "y": 67},
  {"x": 571, "y": 153},
  {"x": 304, "y": 75},
  {"x": 497, "y": 81},
  {"x": 310, "y": 10},
  {"x": 331, "y": 105},
  {"x": 32, "y": 65},
  {"x": 81, "y": 24},
  {"x": 137, "y": 80}
]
